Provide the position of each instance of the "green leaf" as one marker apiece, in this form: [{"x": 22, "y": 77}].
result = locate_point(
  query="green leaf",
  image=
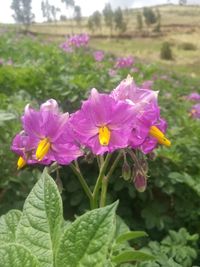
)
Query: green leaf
[
  {"x": 8, "y": 226},
  {"x": 40, "y": 224},
  {"x": 128, "y": 256},
  {"x": 6, "y": 116},
  {"x": 86, "y": 242},
  {"x": 130, "y": 235},
  {"x": 15, "y": 255},
  {"x": 121, "y": 227}
]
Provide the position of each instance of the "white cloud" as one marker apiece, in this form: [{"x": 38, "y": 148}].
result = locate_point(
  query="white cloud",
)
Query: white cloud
[
  {"x": 89, "y": 6},
  {"x": 6, "y": 12}
]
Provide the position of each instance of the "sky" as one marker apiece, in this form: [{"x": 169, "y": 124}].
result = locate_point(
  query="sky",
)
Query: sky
[{"x": 87, "y": 6}]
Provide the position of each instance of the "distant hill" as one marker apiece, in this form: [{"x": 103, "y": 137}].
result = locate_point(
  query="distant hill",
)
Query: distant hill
[{"x": 173, "y": 17}]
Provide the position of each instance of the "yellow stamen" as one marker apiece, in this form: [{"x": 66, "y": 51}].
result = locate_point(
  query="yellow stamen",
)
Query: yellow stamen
[
  {"x": 42, "y": 149},
  {"x": 156, "y": 133},
  {"x": 104, "y": 135},
  {"x": 20, "y": 163}
]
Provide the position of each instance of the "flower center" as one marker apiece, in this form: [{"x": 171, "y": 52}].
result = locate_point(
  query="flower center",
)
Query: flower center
[
  {"x": 156, "y": 133},
  {"x": 42, "y": 149},
  {"x": 20, "y": 163},
  {"x": 104, "y": 135}
]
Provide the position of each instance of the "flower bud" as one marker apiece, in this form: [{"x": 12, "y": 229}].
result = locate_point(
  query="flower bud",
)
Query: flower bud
[
  {"x": 126, "y": 171},
  {"x": 140, "y": 182}
]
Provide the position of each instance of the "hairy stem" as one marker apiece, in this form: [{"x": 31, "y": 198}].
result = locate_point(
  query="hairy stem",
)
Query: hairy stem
[
  {"x": 104, "y": 189},
  {"x": 99, "y": 180},
  {"x": 106, "y": 179}
]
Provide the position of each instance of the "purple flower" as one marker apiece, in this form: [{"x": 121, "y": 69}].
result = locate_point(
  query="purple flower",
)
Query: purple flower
[
  {"x": 147, "y": 125},
  {"x": 48, "y": 135},
  {"x": 23, "y": 146},
  {"x": 79, "y": 40},
  {"x": 155, "y": 136},
  {"x": 66, "y": 47},
  {"x": 103, "y": 124},
  {"x": 75, "y": 41},
  {"x": 124, "y": 62},
  {"x": 194, "y": 96},
  {"x": 128, "y": 91},
  {"x": 98, "y": 55},
  {"x": 195, "y": 111}
]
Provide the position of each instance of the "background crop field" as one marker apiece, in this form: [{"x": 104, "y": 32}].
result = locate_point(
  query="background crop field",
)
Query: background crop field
[{"x": 179, "y": 24}]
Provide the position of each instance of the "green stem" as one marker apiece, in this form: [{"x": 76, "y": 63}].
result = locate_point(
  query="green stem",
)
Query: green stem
[
  {"x": 59, "y": 181},
  {"x": 114, "y": 165},
  {"x": 99, "y": 180},
  {"x": 101, "y": 158},
  {"x": 83, "y": 183},
  {"x": 106, "y": 179},
  {"x": 98, "y": 162},
  {"x": 104, "y": 191}
]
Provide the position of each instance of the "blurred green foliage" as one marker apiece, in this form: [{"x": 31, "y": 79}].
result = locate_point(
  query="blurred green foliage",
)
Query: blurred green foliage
[
  {"x": 166, "y": 51},
  {"x": 178, "y": 249},
  {"x": 41, "y": 70}
]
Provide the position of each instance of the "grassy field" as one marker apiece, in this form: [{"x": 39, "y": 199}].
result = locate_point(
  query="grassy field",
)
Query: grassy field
[
  {"x": 179, "y": 25},
  {"x": 148, "y": 49},
  {"x": 178, "y": 18}
]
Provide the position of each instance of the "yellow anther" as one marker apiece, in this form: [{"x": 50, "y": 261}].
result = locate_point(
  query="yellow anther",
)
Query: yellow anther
[
  {"x": 20, "y": 163},
  {"x": 104, "y": 135},
  {"x": 156, "y": 133},
  {"x": 42, "y": 149}
]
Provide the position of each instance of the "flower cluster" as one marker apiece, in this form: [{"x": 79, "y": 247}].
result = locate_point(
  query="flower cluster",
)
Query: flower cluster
[
  {"x": 75, "y": 41},
  {"x": 124, "y": 62},
  {"x": 195, "y": 111},
  {"x": 66, "y": 47},
  {"x": 128, "y": 118},
  {"x": 193, "y": 97},
  {"x": 98, "y": 55}
]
